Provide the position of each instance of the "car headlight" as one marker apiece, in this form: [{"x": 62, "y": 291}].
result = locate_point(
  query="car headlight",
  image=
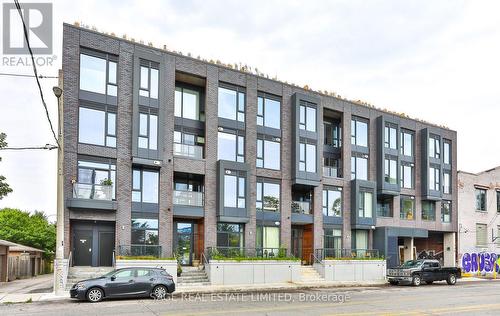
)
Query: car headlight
[{"x": 80, "y": 286}]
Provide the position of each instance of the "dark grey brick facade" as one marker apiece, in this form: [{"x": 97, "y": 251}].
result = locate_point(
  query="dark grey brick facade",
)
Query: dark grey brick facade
[{"x": 75, "y": 38}]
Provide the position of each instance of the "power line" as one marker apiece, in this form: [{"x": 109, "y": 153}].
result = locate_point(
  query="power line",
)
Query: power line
[
  {"x": 46, "y": 147},
  {"x": 28, "y": 76},
  {"x": 18, "y": 6}
]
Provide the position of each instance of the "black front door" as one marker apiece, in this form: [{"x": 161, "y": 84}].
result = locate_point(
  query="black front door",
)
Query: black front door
[
  {"x": 184, "y": 242},
  {"x": 82, "y": 245},
  {"x": 297, "y": 233},
  {"x": 106, "y": 247}
]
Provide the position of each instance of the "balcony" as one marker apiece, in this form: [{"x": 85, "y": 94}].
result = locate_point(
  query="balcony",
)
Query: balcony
[
  {"x": 92, "y": 191},
  {"x": 92, "y": 196},
  {"x": 189, "y": 198},
  {"x": 331, "y": 172},
  {"x": 190, "y": 151},
  {"x": 301, "y": 207}
]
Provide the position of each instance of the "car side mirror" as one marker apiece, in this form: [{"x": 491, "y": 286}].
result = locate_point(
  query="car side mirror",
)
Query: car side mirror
[{"x": 113, "y": 278}]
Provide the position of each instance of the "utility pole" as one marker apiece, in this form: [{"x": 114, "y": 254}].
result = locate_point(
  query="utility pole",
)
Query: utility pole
[{"x": 60, "y": 266}]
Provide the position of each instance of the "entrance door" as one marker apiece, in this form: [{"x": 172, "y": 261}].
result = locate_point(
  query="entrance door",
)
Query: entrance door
[
  {"x": 297, "y": 234},
  {"x": 401, "y": 255},
  {"x": 184, "y": 240},
  {"x": 106, "y": 247},
  {"x": 82, "y": 245}
]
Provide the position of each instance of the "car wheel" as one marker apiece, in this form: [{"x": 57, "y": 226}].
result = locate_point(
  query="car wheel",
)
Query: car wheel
[
  {"x": 416, "y": 280},
  {"x": 393, "y": 282},
  {"x": 95, "y": 295},
  {"x": 452, "y": 279},
  {"x": 429, "y": 282},
  {"x": 160, "y": 292}
]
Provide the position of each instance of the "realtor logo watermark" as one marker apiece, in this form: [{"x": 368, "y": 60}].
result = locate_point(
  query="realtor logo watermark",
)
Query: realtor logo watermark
[{"x": 38, "y": 19}]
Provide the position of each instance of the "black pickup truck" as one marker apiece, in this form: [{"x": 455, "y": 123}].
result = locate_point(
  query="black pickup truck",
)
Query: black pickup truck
[{"x": 417, "y": 271}]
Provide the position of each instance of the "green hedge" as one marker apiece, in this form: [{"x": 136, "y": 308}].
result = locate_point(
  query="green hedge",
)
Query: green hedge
[
  {"x": 355, "y": 258},
  {"x": 223, "y": 258},
  {"x": 141, "y": 258}
]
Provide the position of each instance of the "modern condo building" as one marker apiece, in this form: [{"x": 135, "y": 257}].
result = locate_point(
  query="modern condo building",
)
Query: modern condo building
[{"x": 167, "y": 154}]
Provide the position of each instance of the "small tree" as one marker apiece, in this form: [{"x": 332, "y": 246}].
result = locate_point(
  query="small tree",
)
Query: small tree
[{"x": 4, "y": 186}]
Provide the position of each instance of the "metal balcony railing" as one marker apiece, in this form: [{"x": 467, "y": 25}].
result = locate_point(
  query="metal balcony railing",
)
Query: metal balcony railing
[
  {"x": 301, "y": 207},
  {"x": 189, "y": 198},
  {"x": 331, "y": 172},
  {"x": 191, "y": 151},
  {"x": 140, "y": 250},
  {"x": 334, "y": 253},
  {"x": 93, "y": 191}
]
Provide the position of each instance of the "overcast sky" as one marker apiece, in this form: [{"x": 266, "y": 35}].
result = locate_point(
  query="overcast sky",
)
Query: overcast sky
[{"x": 434, "y": 60}]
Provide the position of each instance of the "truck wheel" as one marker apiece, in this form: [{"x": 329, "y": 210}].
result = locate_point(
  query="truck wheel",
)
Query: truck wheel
[
  {"x": 452, "y": 279},
  {"x": 416, "y": 281},
  {"x": 393, "y": 282}
]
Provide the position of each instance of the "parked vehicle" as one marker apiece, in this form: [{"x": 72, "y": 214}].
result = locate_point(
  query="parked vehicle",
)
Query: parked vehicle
[
  {"x": 417, "y": 271},
  {"x": 126, "y": 282}
]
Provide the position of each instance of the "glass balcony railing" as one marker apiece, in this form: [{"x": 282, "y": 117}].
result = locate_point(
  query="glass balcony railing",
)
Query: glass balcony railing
[
  {"x": 93, "y": 191},
  {"x": 331, "y": 172},
  {"x": 189, "y": 198},
  {"x": 301, "y": 207},
  {"x": 191, "y": 151}
]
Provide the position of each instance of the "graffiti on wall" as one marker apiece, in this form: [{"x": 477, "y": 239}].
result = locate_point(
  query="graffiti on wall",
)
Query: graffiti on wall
[{"x": 480, "y": 262}]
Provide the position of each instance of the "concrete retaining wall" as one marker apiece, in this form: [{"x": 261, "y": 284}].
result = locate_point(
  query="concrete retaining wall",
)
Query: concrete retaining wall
[
  {"x": 352, "y": 270},
  {"x": 169, "y": 265},
  {"x": 253, "y": 272}
]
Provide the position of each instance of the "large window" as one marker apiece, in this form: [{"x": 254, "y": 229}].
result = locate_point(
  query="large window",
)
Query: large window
[
  {"x": 232, "y": 104},
  {"x": 230, "y": 235},
  {"x": 145, "y": 186},
  {"x": 268, "y": 240},
  {"x": 92, "y": 177},
  {"x": 407, "y": 209},
  {"x": 98, "y": 74},
  {"x": 188, "y": 144},
  {"x": 307, "y": 157},
  {"x": 97, "y": 127},
  {"x": 149, "y": 80},
  {"x": 333, "y": 134},
  {"x": 359, "y": 132},
  {"x": 268, "y": 196},
  {"x": 434, "y": 147},
  {"x": 268, "y": 153},
  {"x": 481, "y": 199},
  {"x": 359, "y": 167},
  {"x": 406, "y": 175},
  {"x": 390, "y": 136},
  {"x": 447, "y": 152},
  {"x": 481, "y": 235},
  {"x": 332, "y": 167},
  {"x": 428, "y": 211},
  {"x": 268, "y": 112},
  {"x": 434, "y": 179},
  {"x": 446, "y": 211},
  {"x": 187, "y": 103},
  {"x": 332, "y": 202},
  {"x": 234, "y": 189},
  {"x": 307, "y": 119},
  {"x": 144, "y": 229},
  {"x": 231, "y": 146},
  {"x": 148, "y": 131},
  {"x": 365, "y": 208},
  {"x": 407, "y": 143},
  {"x": 446, "y": 182},
  {"x": 390, "y": 171},
  {"x": 384, "y": 207},
  {"x": 361, "y": 239},
  {"x": 332, "y": 240}
]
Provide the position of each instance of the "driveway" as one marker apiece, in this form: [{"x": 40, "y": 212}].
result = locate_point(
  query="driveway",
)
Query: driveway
[{"x": 39, "y": 284}]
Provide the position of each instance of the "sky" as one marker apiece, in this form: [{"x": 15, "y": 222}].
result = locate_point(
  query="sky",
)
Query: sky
[{"x": 433, "y": 60}]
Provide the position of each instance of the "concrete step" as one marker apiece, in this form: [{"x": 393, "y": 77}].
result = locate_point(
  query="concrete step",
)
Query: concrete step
[
  {"x": 181, "y": 285},
  {"x": 200, "y": 277}
]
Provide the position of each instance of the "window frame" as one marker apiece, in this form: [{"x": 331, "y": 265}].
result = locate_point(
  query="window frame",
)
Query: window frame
[
  {"x": 434, "y": 181},
  {"x": 262, "y": 183},
  {"x": 354, "y": 165},
  {"x": 108, "y": 58},
  {"x": 388, "y": 176},
  {"x": 412, "y": 178},
  {"x": 404, "y": 198},
  {"x": 140, "y": 190},
  {"x": 485, "y": 229},
  {"x": 435, "y": 140},
  {"x": 482, "y": 191},
  {"x": 336, "y": 129},
  {"x": 240, "y": 107},
  {"x": 149, "y": 113},
  {"x": 447, "y": 152},
  {"x": 240, "y": 193},
  {"x": 403, "y": 142},
  {"x": 447, "y": 189},
  {"x": 326, "y": 201},
  {"x": 428, "y": 214},
  {"x": 381, "y": 202},
  {"x": 362, "y": 205},
  {"x": 150, "y": 66},
  {"x": 87, "y": 165},
  {"x": 144, "y": 230},
  {"x": 262, "y": 114},
  {"x": 389, "y": 138},
  {"x": 261, "y": 151},
  {"x": 443, "y": 214},
  {"x": 227, "y": 233},
  {"x": 303, "y": 161},
  {"x": 304, "y": 119},
  {"x": 107, "y": 109},
  {"x": 239, "y": 137},
  {"x": 355, "y": 120},
  {"x": 200, "y": 115}
]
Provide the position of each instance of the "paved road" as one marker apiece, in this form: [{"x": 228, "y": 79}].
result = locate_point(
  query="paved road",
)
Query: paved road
[{"x": 466, "y": 298}]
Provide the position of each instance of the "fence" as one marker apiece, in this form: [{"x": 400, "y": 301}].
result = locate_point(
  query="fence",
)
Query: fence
[
  {"x": 333, "y": 253},
  {"x": 240, "y": 252}
]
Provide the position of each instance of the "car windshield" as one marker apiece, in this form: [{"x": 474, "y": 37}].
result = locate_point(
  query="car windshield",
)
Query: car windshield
[{"x": 411, "y": 264}]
